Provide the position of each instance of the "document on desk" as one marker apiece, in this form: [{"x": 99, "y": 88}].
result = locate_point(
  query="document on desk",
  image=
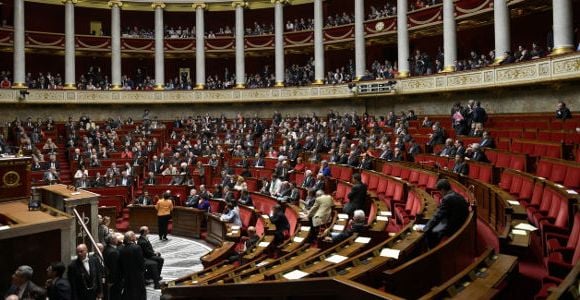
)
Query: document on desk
[
  {"x": 513, "y": 202},
  {"x": 264, "y": 244},
  {"x": 519, "y": 232},
  {"x": 525, "y": 226},
  {"x": 385, "y": 213},
  {"x": 335, "y": 259},
  {"x": 296, "y": 274},
  {"x": 298, "y": 239},
  {"x": 392, "y": 253},
  {"x": 573, "y": 192},
  {"x": 382, "y": 218},
  {"x": 338, "y": 227},
  {"x": 418, "y": 227},
  {"x": 304, "y": 228},
  {"x": 343, "y": 216},
  {"x": 362, "y": 240}
]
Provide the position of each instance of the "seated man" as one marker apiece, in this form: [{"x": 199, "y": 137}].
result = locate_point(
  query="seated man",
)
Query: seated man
[
  {"x": 460, "y": 166},
  {"x": 358, "y": 224},
  {"x": 51, "y": 176},
  {"x": 144, "y": 199},
  {"x": 247, "y": 244},
  {"x": 192, "y": 199},
  {"x": 153, "y": 260},
  {"x": 450, "y": 215}
]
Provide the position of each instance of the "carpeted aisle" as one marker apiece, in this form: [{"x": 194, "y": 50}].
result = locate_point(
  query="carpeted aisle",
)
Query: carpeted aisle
[{"x": 181, "y": 258}]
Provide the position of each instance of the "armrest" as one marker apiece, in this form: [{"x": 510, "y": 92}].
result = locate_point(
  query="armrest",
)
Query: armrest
[
  {"x": 555, "y": 230},
  {"x": 559, "y": 269},
  {"x": 551, "y": 279},
  {"x": 545, "y": 218}
]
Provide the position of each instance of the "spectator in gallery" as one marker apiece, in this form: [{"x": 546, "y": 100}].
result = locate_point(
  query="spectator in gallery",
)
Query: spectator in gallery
[{"x": 562, "y": 111}]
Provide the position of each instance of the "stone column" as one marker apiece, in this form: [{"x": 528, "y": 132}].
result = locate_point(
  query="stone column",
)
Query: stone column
[
  {"x": 159, "y": 46},
  {"x": 279, "y": 40},
  {"x": 199, "y": 46},
  {"x": 563, "y": 30},
  {"x": 318, "y": 43},
  {"x": 501, "y": 27},
  {"x": 240, "y": 53},
  {"x": 402, "y": 39},
  {"x": 19, "y": 59},
  {"x": 116, "y": 44},
  {"x": 449, "y": 36},
  {"x": 69, "y": 44},
  {"x": 359, "y": 39}
]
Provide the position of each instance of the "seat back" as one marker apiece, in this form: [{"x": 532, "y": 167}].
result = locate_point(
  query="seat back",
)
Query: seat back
[
  {"x": 293, "y": 218},
  {"x": 373, "y": 182},
  {"x": 387, "y": 169},
  {"x": 516, "y": 185},
  {"x": 405, "y": 173},
  {"x": 399, "y": 191},
  {"x": 382, "y": 186},
  {"x": 518, "y": 162},
  {"x": 414, "y": 176},
  {"x": 364, "y": 176},
  {"x": 558, "y": 173},
  {"x": 503, "y": 160},
  {"x": 572, "y": 178},
  {"x": 485, "y": 173},
  {"x": 575, "y": 232},
  {"x": 527, "y": 188},
  {"x": 246, "y": 216},
  {"x": 396, "y": 171},
  {"x": 505, "y": 182},
  {"x": 544, "y": 168},
  {"x": 537, "y": 194},
  {"x": 346, "y": 173},
  {"x": 562, "y": 213}
]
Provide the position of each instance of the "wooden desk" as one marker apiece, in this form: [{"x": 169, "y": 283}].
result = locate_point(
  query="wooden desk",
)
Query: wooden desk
[
  {"x": 187, "y": 221},
  {"x": 216, "y": 230},
  {"x": 143, "y": 215},
  {"x": 218, "y": 254},
  {"x": 85, "y": 202},
  {"x": 35, "y": 238},
  {"x": 516, "y": 240}
]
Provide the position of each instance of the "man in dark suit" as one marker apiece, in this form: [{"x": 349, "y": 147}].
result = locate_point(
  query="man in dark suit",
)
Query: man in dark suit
[
  {"x": 144, "y": 199},
  {"x": 357, "y": 196},
  {"x": 84, "y": 276},
  {"x": 450, "y": 215},
  {"x": 562, "y": 111},
  {"x": 155, "y": 165},
  {"x": 23, "y": 287},
  {"x": 460, "y": 166},
  {"x": 153, "y": 260},
  {"x": 487, "y": 141},
  {"x": 57, "y": 287},
  {"x": 132, "y": 267},
  {"x": 51, "y": 176},
  {"x": 278, "y": 218},
  {"x": 150, "y": 180},
  {"x": 111, "y": 258},
  {"x": 308, "y": 181},
  {"x": 477, "y": 154}
]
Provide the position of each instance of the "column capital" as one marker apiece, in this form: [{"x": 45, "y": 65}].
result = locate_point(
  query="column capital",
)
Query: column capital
[
  {"x": 199, "y": 5},
  {"x": 117, "y": 3},
  {"x": 242, "y": 4},
  {"x": 283, "y": 2},
  {"x": 157, "y": 4},
  {"x": 69, "y": 1}
]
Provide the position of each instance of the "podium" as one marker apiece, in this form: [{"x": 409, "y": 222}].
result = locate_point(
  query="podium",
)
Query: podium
[
  {"x": 15, "y": 178},
  {"x": 85, "y": 202}
]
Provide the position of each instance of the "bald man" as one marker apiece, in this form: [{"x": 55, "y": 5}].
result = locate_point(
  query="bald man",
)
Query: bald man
[
  {"x": 153, "y": 260},
  {"x": 84, "y": 274}
]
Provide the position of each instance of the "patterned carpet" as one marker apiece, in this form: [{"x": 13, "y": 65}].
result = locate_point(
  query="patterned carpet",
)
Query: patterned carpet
[{"x": 181, "y": 258}]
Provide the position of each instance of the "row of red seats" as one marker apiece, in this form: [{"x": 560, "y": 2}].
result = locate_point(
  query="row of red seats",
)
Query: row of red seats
[
  {"x": 411, "y": 209},
  {"x": 505, "y": 159},
  {"x": 387, "y": 189},
  {"x": 422, "y": 178},
  {"x": 564, "y": 172},
  {"x": 537, "y": 148}
]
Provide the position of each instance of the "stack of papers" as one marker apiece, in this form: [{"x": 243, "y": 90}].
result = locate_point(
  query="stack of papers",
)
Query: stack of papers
[
  {"x": 573, "y": 192},
  {"x": 382, "y": 218},
  {"x": 335, "y": 259},
  {"x": 263, "y": 244},
  {"x": 392, "y": 253},
  {"x": 235, "y": 227},
  {"x": 418, "y": 227},
  {"x": 362, "y": 240},
  {"x": 519, "y": 232},
  {"x": 338, "y": 227},
  {"x": 265, "y": 216},
  {"x": 342, "y": 216},
  {"x": 525, "y": 226},
  {"x": 304, "y": 228},
  {"x": 298, "y": 239},
  {"x": 513, "y": 202},
  {"x": 385, "y": 213},
  {"x": 296, "y": 274}
]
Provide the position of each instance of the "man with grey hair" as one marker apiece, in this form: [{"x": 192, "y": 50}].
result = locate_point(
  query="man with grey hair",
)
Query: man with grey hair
[
  {"x": 476, "y": 154},
  {"x": 132, "y": 268},
  {"x": 23, "y": 287}
]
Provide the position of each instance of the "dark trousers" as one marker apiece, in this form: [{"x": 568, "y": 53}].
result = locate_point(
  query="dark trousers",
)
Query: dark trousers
[{"x": 163, "y": 221}]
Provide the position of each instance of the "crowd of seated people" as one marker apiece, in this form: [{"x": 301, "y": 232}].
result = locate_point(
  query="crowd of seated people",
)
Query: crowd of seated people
[
  {"x": 300, "y": 25},
  {"x": 339, "y": 19},
  {"x": 185, "y": 32}
]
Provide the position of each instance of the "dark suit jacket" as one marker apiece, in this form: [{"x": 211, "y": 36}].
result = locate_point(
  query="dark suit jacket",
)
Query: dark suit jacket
[
  {"x": 479, "y": 156},
  {"x": 449, "y": 217},
  {"x": 32, "y": 291},
  {"x": 111, "y": 257},
  {"x": 488, "y": 142},
  {"x": 356, "y": 198},
  {"x": 59, "y": 290},
  {"x": 85, "y": 285},
  {"x": 132, "y": 267},
  {"x": 146, "y": 246},
  {"x": 461, "y": 168}
]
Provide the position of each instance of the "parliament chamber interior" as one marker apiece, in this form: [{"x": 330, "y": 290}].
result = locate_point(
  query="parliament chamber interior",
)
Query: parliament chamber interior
[{"x": 289, "y": 149}]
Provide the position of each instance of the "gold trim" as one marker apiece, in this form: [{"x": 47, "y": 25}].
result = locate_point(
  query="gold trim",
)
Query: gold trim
[
  {"x": 157, "y": 4},
  {"x": 199, "y": 4},
  {"x": 318, "y": 82},
  {"x": 498, "y": 60},
  {"x": 279, "y": 84},
  {"x": 403, "y": 74},
  {"x": 242, "y": 4},
  {"x": 159, "y": 87},
  {"x": 69, "y": 86},
  {"x": 115, "y": 2},
  {"x": 281, "y": 1},
  {"x": 19, "y": 85},
  {"x": 200, "y": 86},
  {"x": 562, "y": 50},
  {"x": 240, "y": 85},
  {"x": 116, "y": 87},
  {"x": 356, "y": 78},
  {"x": 448, "y": 69},
  {"x": 67, "y": 1}
]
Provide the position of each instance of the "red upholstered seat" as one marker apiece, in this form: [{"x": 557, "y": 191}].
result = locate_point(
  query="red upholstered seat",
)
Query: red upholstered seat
[
  {"x": 517, "y": 162},
  {"x": 364, "y": 176},
  {"x": 373, "y": 182},
  {"x": 491, "y": 156},
  {"x": 346, "y": 173},
  {"x": 474, "y": 171},
  {"x": 544, "y": 206},
  {"x": 555, "y": 239},
  {"x": 396, "y": 171},
  {"x": 558, "y": 173},
  {"x": 340, "y": 192},
  {"x": 572, "y": 178},
  {"x": 550, "y": 216},
  {"x": 387, "y": 169},
  {"x": 503, "y": 160},
  {"x": 486, "y": 173},
  {"x": 544, "y": 168},
  {"x": 526, "y": 189},
  {"x": 382, "y": 186},
  {"x": 431, "y": 182},
  {"x": 293, "y": 219},
  {"x": 405, "y": 173},
  {"x": 414, "y": 176},
  {"x": 516, "y": 184},
  {"x": 506, "y": 180},
  {"x": 246, "y": 216},
  {"x": 561, "y": 262}
]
